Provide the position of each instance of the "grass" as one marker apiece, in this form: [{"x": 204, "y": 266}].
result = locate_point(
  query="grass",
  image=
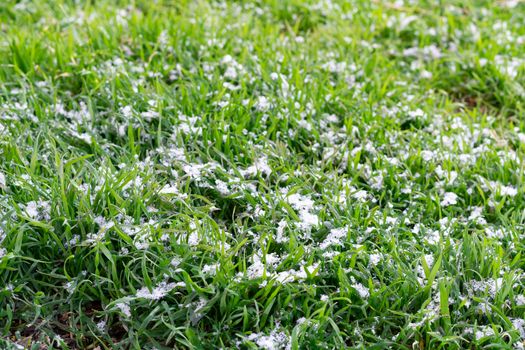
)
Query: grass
[{"x": 262, "y": 174}]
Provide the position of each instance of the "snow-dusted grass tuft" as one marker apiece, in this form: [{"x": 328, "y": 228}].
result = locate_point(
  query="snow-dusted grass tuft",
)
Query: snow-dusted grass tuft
[{"x": 281, "y": 174}]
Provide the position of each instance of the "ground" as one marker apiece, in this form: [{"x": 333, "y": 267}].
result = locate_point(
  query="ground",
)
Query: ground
[{"x": 278, "y": 174}]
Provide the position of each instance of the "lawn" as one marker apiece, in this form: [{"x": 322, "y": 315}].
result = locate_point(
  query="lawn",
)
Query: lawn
[{"x": 277, "y": 174}]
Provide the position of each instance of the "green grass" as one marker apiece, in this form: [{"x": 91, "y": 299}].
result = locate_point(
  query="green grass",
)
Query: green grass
[{"x": 278, "y": 174}]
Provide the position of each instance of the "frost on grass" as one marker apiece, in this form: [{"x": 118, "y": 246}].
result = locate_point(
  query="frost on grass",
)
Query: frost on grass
[
  {"x": 157, "y": 292},
  {"x": 276, "y": 340},
  {"x": 233, "y": 173}
]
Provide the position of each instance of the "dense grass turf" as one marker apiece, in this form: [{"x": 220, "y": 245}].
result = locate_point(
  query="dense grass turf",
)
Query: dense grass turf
[{"x": 278, "y": 174}]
